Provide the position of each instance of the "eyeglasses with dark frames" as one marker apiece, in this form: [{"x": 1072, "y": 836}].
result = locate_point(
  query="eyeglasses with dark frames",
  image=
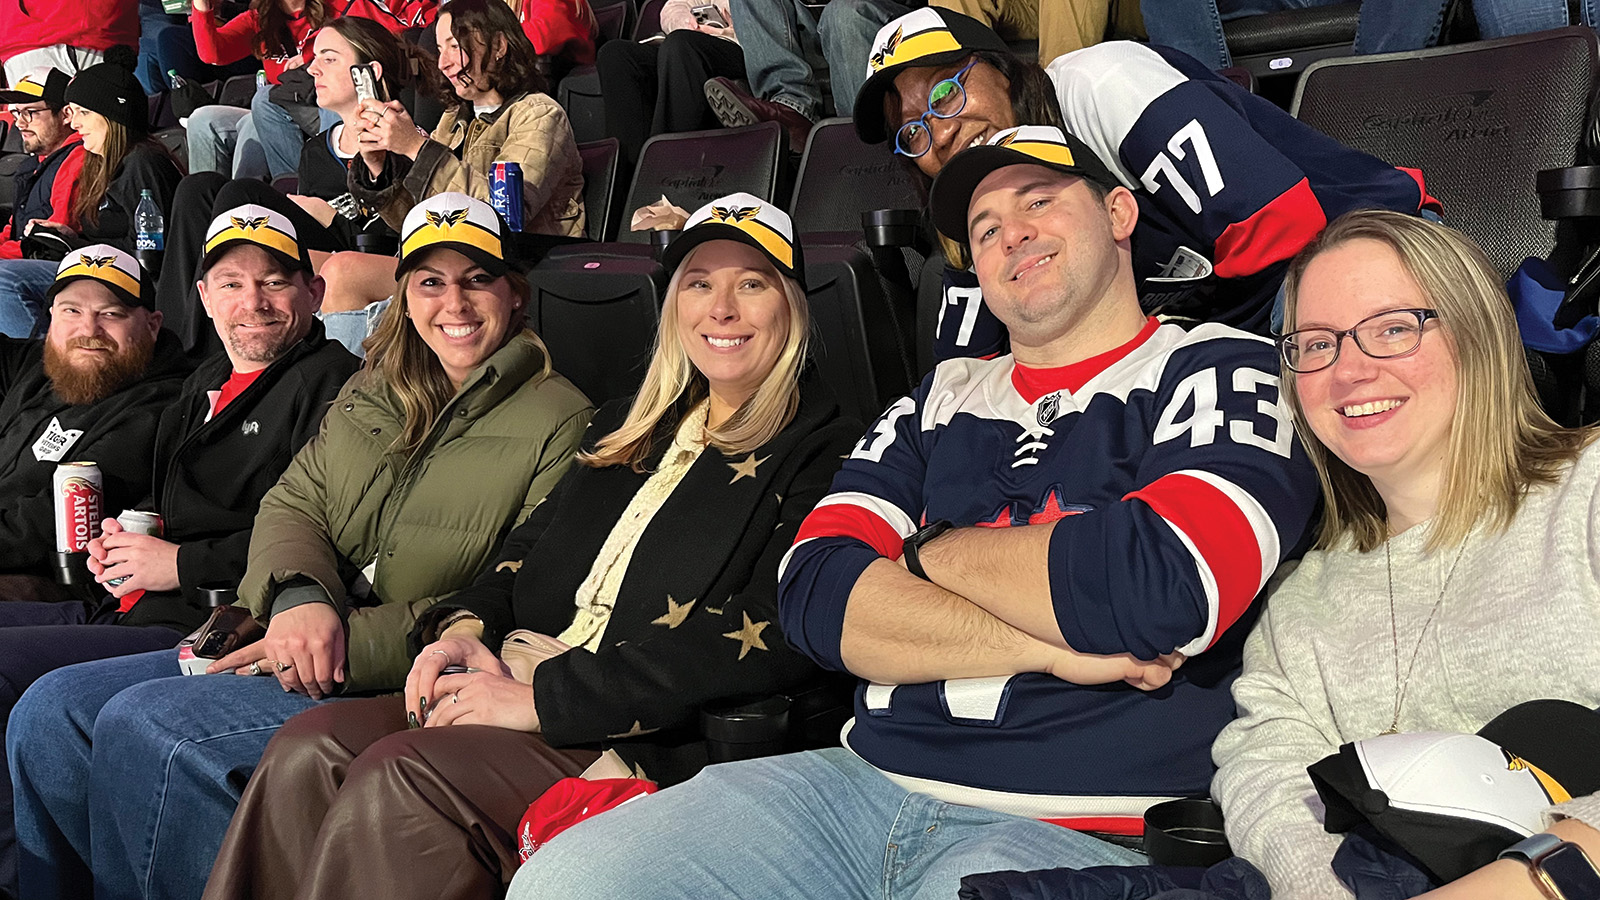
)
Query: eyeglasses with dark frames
[
  {"x": 946, "y": 100},
  {"x": 1384, "y": 335},
  {"x": 24, "y": 114}
]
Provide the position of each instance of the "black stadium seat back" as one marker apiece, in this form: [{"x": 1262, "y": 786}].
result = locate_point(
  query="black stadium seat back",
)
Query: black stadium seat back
[
  {"x": 1480, "y": 120},
  {"x": 854, "y": 351},
  {"x": 612, "y": 18},
  {"x": 579, "y": 95},
  {"x": 10, "y": 165},
  {"x": 598, "y": 316},
  {"x": 176, "y": 140},
  {"x": 840, "y": 178},
  {"x": 692, "y": 168},
  {"x": 600, "y": 163},
  {"x": 10, "y": 139},
  {"x": 649, "y": 22},
  {"x": 237, "y": 91}
]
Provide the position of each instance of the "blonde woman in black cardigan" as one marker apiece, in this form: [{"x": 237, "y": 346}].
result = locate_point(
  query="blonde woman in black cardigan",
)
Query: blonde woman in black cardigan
[{"x": 654, "y": 560}]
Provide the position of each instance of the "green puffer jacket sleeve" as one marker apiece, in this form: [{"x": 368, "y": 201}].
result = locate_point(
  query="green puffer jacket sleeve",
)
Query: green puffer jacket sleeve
[{"x": 379, "y": 657}]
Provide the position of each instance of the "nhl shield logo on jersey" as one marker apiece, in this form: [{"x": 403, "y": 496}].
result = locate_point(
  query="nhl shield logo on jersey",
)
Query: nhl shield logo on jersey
[{"x": 1049, "y": 408}]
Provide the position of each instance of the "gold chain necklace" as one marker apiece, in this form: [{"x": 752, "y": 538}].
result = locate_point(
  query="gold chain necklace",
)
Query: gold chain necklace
[{"x": 1400, "y": 686}]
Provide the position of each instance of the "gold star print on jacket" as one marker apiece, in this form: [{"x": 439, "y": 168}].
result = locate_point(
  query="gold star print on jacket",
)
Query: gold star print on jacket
[
  {"x": 748, "y": 636},
  {"x": 747, "y": 467},
  {"x": 676, "y": 613}
]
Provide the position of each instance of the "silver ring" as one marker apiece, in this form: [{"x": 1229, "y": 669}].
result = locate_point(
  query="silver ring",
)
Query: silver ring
[
  {"x": 456, "y": 697},
  {"x": 443, "y": 654},
  {"x": 255, "y": 667}
]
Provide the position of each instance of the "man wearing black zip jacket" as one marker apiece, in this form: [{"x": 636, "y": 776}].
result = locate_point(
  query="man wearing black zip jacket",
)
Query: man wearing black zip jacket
[{"x": 219, "y": 447}]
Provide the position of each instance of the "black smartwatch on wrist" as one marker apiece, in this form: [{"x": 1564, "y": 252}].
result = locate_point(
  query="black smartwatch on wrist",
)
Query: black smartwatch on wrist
[
  {"x": 1564, "y": 871},
  {"x": 917, "y": 539}
]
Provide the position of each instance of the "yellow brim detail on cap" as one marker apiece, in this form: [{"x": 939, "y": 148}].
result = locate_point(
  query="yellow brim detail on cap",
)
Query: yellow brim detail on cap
[
  {"x": 108, "y": 274},
  {"x": 27, "y": 86},
  {"x": 919, "y": 45},
  {"x": 1058, "y": 154},
  {"x": 770, "y": 241},
  {"x": 266, "y": 237},
  {"x": 1552, "y": 788},
  {"x": 469, "y": 233}
]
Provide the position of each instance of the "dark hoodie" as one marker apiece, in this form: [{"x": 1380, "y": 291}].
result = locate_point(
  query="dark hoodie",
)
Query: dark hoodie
[{"x": 118, "y": 433}]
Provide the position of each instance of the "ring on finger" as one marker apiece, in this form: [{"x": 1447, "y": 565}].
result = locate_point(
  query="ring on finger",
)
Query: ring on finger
[
  {"x": 255, "y": 667},
  {"x": 443, "y": 654},
  {"x": 280, "y": 666},
  {"x": 456, "y": 697}
]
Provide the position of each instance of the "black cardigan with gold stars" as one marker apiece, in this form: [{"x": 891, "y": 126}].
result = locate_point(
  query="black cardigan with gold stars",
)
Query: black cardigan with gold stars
[{"x": 696, "y": 618}]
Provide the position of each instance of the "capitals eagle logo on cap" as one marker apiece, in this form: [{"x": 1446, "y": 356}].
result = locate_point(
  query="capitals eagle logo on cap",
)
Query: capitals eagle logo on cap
[
  {"x": 447, "y": 218},
  {"x": 95, "y": 262},
  {"x": 733, "y": 213},
  {"x": 248, "y": 224},
  {"x": 888, "y": 49}
]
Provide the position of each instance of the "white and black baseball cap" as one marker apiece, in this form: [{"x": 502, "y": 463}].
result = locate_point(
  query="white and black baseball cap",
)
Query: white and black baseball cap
[{"x": 747, "y": 219}]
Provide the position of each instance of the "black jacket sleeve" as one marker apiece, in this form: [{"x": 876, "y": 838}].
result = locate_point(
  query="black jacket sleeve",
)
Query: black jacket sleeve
[
  {"x": 123, "y": 447},
  {"x": 721, "y": 649}
]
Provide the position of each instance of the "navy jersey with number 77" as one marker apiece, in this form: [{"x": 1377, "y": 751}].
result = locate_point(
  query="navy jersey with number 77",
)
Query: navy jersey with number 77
[
  {"x": 1230, "y": 188},
  {"x": 1171, "y": 471}
]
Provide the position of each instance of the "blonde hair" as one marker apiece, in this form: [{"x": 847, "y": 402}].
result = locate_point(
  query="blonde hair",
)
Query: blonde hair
[
  {"x": 672, "y": 386},
  {"x": 1501, "y": 442},
  {"x": 397, "y": 352}
]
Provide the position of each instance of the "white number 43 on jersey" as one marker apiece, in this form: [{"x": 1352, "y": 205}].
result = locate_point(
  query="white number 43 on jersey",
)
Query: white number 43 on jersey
[{"x": 1198, "y": 394}]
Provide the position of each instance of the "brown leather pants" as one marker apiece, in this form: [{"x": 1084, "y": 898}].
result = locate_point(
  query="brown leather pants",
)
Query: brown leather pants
[{"x": 348, "y": 803}]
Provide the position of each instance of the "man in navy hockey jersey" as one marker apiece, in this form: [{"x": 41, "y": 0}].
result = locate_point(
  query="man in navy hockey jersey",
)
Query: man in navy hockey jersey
[
  {"x": 1040, "y": 566},
  {"x": 1229, "y": 186}
]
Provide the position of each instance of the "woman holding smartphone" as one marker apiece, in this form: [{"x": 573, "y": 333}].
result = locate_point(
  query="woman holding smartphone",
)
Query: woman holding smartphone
[
  {"x": 657, "y": 86},
  {"x": 322, "y": 210}
]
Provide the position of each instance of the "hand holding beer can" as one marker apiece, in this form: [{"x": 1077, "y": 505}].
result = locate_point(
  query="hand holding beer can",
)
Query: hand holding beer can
[
  {"x": 138, "y": 521},
  {"x": 505, "y": 192}
]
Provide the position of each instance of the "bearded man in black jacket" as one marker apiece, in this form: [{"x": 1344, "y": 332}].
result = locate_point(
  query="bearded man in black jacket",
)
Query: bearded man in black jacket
[{"x": 221, "y": 443}]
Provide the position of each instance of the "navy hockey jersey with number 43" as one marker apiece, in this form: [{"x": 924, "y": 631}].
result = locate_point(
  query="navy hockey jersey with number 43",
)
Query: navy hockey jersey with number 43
[
  {"x": 1171, "y": 470},
  {"x": 1223, "y": 174}
]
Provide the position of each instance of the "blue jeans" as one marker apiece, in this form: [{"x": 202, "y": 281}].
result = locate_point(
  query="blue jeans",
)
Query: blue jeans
[
  {"x": 262, "y": 141},
  {"x": 351, "y": 327},
  {"x": 23, "y": 283},
  {"x": 815, "y": 824},
  {"x": 1386, "y": 26},
  {"x": 126, "y": 773},
  {"x": 780, "y": 37}
]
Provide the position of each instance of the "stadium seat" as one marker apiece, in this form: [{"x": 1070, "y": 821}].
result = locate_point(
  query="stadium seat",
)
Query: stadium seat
[
  {"x": 1480, "y": 120},
  {"x": 237, "y": 91},
  {"x": 692, "y": 168},
  {"x": 10, "y": 165},
  {"x": 579, "y": 94},
  {"x": 649, "y": 22},
  {"x": 175, "y": 140},
  {"x": 599, "y": 184},
  {"x": 598, "y": 316},
  {"x": 840, "y": 178},
  {"x": 10, "y": 139},
  {"x": 612, "y": 18},
  {"x": 855, "y": 348}
]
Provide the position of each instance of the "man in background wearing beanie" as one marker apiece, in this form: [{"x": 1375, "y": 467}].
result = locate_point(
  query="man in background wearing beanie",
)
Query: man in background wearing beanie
[
  {"x": 38, "y": 104},
  {"x": 1117, "y": 487},
  {"x": 225, "y": 441}
]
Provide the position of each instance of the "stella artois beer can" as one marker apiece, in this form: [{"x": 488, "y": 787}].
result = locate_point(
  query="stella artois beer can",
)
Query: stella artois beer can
[
  {"x": 505, "y": 193},
  {"x": 79, "y": 496},
  {"x": 137, "y": 521}
]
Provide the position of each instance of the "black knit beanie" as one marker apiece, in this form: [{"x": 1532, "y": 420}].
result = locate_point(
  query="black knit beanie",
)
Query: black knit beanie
[{"x": 113, "y": 92}]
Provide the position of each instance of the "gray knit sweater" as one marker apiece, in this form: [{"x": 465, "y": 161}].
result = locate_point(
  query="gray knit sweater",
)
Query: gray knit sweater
[{"x": 1520, "y": 621}]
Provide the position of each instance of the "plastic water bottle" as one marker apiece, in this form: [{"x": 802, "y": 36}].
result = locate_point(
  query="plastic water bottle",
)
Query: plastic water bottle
[
  {"x": 149, "y": 232},
  {"x": 148, "y": 224},
  {"x": 177, "y": 81}
]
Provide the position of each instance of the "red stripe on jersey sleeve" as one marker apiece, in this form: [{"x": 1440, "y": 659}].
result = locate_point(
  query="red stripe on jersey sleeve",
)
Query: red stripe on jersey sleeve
[
  {"x": 849, "y": 520},
  {"x": 1274, "y": 233},
  {"x": 1428, "y": 200},
  {"x": 1219, "y": 530},
  {"x": 1129, "y": 826}
]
